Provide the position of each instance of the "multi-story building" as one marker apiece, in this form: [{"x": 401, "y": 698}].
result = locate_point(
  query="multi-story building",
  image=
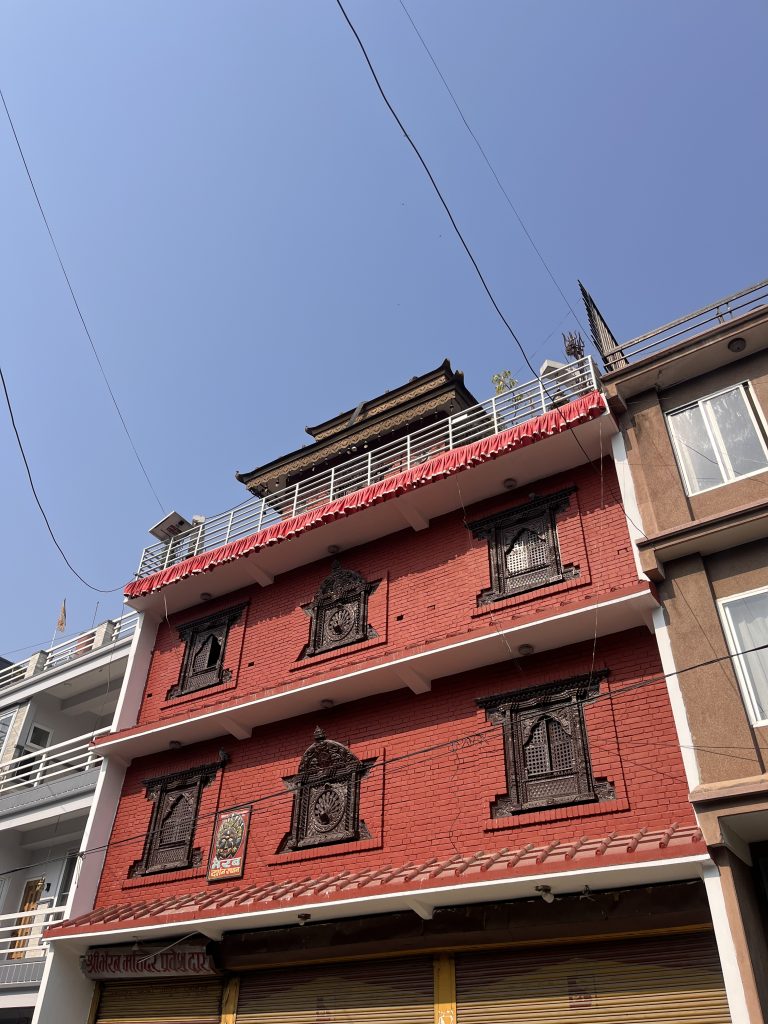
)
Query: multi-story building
[
  {"x": 52, "y": 705},
  {"x": 692, "y": 398},
  {"x": 395, "y": 742}
]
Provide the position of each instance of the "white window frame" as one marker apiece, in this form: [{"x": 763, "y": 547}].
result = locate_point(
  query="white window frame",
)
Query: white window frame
[
  {"x": 4, "y": 741},
  {"x": 738, "y": 658},
  {"x": 721, "y": 455}
]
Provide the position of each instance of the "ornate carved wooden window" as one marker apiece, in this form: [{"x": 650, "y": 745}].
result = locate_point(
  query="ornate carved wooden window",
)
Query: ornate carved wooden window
[
  {"x": 523, "y": 550},
  {"x": 326, "y": 801},
  {"x": 339, "y": 612},
  {"x": 176, "y": 798},
  {"x": 546, "y": 750},
  {"x": 205, "y": 643}
]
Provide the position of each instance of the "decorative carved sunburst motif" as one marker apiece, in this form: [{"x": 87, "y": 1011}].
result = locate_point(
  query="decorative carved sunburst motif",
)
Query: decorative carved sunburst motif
[
  {"x": 326, "y": 801},
  {"x": 339, "y": 612},
  {"x": 340, "y": 623},
  {"x": 327, "y": 809}
]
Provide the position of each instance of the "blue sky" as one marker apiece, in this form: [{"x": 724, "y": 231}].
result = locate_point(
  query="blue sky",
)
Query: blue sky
[{"x": 255, "y": 247}]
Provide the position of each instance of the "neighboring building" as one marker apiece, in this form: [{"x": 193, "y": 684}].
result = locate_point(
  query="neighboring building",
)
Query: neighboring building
[
  {"x": 692, "y": 399},
  {"x": 52, "y": 705},
  {"x": 395, "y": 743}
]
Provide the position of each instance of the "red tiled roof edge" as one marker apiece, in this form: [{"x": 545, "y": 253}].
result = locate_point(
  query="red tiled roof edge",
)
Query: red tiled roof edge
[
  {"x": 577, "y": 854},
  {"x": 548, "y": 424}
]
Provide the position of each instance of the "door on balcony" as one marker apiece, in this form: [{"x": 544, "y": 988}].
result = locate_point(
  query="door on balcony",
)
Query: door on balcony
[{"x": 20, "y": 941}]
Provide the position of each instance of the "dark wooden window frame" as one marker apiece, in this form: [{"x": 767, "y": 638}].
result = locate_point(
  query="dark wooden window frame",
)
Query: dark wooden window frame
[
  {"x": 339, "y": 612},
  {"x": 519, "y": 714},
  {"x": 159, "y": 856},
  {"x": 326, "y": 796},
  {"x": 538, "y": 516},
  {"x": 211, "y": 629}
]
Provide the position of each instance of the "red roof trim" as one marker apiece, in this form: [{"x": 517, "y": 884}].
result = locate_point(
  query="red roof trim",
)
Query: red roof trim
[
  {"x": 603, "y": 851},
  {"x": 555, "y": 422}
]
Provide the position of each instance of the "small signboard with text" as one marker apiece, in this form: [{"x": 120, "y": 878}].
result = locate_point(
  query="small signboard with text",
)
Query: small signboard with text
[
  {"x": 230, "y": 836},
  {"x": 102, "y": 963}
]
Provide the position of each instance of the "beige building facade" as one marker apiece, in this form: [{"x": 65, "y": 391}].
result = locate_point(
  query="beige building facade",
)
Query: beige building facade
[{"x": 692, "y": 403}]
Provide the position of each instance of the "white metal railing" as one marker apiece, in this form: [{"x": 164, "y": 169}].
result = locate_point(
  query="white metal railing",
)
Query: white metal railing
[
  {"x": 21, "y": 935},
  {"x": 110, "y": 632},
  {"x": 521, "y": 403},
  {"x": 687, "y": 326},
  {"x": 72, "y": 757}
]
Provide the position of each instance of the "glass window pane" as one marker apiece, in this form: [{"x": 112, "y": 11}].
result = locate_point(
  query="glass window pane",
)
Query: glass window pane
[
  {"x": 694, "y": 449},
  {"x": 5, "y": 725},
  {"x": 737, "y": 432},
  {"x": 749, "y": 622}
]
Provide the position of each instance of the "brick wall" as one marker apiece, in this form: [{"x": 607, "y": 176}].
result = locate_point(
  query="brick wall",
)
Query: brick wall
[
  {"x": 429, "y": 585},
  {"x": 429, "y": 793}
]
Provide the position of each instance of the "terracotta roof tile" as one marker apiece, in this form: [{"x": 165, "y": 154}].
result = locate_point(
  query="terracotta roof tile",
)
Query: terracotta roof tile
[{"x": 645, "y": 844}]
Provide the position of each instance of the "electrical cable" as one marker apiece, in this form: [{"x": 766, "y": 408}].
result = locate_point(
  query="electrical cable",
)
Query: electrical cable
[
  {"x": 491, "y": 168},
  {"x": 77, "y": 305},
  {"x": 466, "y": 740},
  {"x": 469, "y": 253},
  {"x": 98, "y": 590}
]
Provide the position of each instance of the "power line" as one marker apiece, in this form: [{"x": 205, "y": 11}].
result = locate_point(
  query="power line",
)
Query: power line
[
  {"x": 99, "y": 590},
  {"x": 555, "y": 407},
  {"x": 464, "y": 243},
  {"x": 469, "y": 739},
  {"x": 491, "y": 168},
  {"x": 77, "y": 305}
]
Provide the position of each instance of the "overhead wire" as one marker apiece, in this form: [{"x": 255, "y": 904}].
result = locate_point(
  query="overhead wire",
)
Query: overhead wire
[
  {"x": 468, "y": 739},
  {"x": 77, "y": 304},
  {"x": 98, "y": 590},
  {"x": 554, "y": 406},
  {"x": 492, "y": 169}
]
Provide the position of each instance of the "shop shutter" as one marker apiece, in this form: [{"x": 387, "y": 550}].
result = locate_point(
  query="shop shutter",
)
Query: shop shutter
[
  {"x": 160, "y": 1002},
  {"x": 363, "y": 992},
  {"x": 650, "y": 981}
]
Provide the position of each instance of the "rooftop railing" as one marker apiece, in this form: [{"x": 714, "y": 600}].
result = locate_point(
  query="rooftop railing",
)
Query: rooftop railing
[
  {"x": 523, "y": 402},
  {"x": 110, "y": 632},
  {"x": 687, "y": 326}
]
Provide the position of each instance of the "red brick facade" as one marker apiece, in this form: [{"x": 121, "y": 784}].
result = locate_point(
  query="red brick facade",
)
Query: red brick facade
[
  {"x": 430, "y": 582},
  {"x": 439, "y": 763}
]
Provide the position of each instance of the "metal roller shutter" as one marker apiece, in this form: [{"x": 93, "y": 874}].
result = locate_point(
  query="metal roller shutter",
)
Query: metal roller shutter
[
  {"x": 160, "y": 1002},
  {"x": 638, "y": 982},
  {"x": 364, "y": 992}
]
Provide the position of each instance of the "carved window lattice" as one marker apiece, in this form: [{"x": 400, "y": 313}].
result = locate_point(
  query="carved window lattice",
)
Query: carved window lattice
[
  {"x": 326, "y": 796},
  {"x": 205, "y": 643},
  {"x": 523, "y": 549},
  {"x": 339, "y": 612},
  {"x": 546, "y": 750},
  {"x": 169, "y": 842}
]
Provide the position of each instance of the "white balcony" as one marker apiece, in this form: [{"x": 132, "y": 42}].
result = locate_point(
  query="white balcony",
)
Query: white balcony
[
  {"x": 524, "y": 402},
  {"x": 54, "y": 776},
  {"x": 22, "y": 946},
  {"x": 68, "y": 655}
]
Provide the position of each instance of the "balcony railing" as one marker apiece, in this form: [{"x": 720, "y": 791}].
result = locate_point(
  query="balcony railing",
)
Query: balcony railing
[
  {"x": 687, "y": 326},
  {"x": 521, "y": 403},
  {"x": 22, "y": 946},
  {"x": 106, "y": 633},
  {"x": 62, "y": 761}
]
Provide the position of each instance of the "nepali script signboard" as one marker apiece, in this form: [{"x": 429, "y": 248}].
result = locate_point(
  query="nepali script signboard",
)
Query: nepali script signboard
[
  {"x": 230, "y": 836},
  {"x": 148, "y": 961}
]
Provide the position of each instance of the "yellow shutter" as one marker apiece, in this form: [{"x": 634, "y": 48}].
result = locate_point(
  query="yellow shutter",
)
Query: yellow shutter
[
  {"x": 160, "y": 1002},
  {"x": 649, "y": 981},
  {"x": 363, "y": 992}
]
